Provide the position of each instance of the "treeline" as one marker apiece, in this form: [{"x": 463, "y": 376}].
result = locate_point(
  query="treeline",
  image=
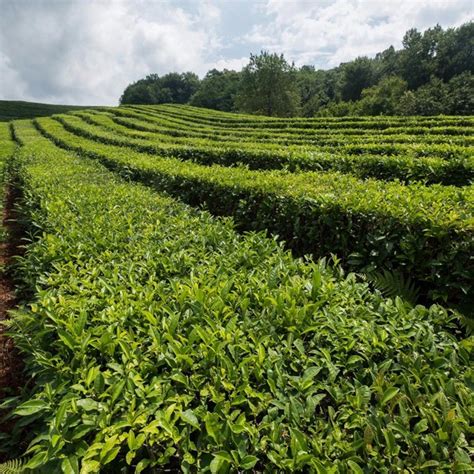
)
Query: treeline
[{"x": 432, "y": 74}]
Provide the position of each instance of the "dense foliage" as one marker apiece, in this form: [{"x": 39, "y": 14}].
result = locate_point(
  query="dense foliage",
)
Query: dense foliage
[
  {"x": 170, "y": 88},
  {"x": 422, "y": 232},
  {"x": 268, "y": 86},
  {"x": 159, "y": 338},
  {"x": 391, "y": 97},
  {"x": 432, "y": 74},
  {"x": 217, "y": 90}
]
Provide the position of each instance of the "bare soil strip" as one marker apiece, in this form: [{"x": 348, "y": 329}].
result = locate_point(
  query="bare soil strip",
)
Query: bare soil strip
[{"x": 11, "y": 379}]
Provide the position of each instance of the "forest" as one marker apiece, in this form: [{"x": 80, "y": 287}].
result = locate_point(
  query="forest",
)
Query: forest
[{"x": 432, "y": 74}]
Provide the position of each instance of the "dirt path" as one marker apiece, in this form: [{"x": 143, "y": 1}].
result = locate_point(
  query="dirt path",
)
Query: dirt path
[{"x": 10, "y": 363}]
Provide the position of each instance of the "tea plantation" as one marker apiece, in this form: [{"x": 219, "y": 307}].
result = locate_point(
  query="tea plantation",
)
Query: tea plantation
[{"x": 210, "y": 292}]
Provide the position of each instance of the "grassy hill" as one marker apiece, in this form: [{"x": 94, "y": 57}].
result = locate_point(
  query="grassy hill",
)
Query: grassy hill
[{"x": 18, "y": 109}]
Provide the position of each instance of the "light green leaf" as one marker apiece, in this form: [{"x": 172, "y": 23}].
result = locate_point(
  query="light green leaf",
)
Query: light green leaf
[
  {"x": 355, "y": 467},
  {"x": 189, "y": 417},
  {"x": 389, "y": 394},
  {"x": 31, "y": 407},
  {"x": 90, "y": 466},
  {"x": 70, "y": 465},
  {"x": 68, "y": 340},
  {"x": 248, "y": 462}
]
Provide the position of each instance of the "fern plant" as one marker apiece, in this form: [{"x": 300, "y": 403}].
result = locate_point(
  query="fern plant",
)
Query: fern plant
[
  {"x": 392, "y": 284},
  {"x": 13, "y": 466}
]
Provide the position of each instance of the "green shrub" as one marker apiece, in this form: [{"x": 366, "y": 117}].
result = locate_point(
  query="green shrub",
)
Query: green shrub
[
  {"x": 160, "y": 338},
  {"x": 423, "y": 232}
]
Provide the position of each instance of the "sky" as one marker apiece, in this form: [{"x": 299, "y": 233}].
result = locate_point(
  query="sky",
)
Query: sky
[{"x": 86, "y": 52}]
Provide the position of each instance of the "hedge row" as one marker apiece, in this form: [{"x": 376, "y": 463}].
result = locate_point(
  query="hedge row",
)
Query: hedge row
[
  {"x": 7, "y": 145},
  {"x": 424, "y": 232},
  {"x": 164, "y": 126},
  {"x": 402, "y": 134},
  {"x": 326, "y": 138},
  {"x": 416, "y": 147},
  {"x": 429, "y": 170},
  {"x": 7, "y": 148},
  {"x": 161, "y": 339},
  {"x": 232, "y": 120}
]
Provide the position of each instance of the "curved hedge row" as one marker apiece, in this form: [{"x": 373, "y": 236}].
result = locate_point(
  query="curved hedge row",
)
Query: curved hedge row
[
  {"x": 430, "y": 170},
  {"x": 376, "y": 123},
  {"x": 413, "y": 147},
  {"x": 403, "y": 132},
  {"x": 7, "y": 145},
  {"x": 161, "y": 339},
  {"x": 426, "y": 233}
]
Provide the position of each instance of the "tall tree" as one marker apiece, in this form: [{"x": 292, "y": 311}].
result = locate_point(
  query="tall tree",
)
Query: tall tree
[
  {"x": 455, "y": 53},
  {"x": 268, "y": 86},
  {"x": 417, "y": 59},
  {"x": 217, "y": 90},
  {"x": 356, "y": 76},
  {"x": 317, "y": 89},
  {"x": 387, "y": 63}
]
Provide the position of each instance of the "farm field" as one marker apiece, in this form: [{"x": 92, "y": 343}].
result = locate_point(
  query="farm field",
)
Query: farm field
[{"x": 213, "y": 292}]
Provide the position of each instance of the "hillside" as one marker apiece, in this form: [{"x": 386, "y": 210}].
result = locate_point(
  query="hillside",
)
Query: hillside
[{"x": 19, "y": 109}]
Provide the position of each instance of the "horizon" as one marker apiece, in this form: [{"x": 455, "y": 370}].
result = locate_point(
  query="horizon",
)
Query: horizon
[{"x": 81, "y": 53}]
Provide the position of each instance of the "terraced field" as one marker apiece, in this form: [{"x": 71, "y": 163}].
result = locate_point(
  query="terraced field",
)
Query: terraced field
[{"x": 165, "y": 327}]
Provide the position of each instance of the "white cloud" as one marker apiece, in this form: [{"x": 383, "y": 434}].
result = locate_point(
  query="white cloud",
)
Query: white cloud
[
  {"x": 87, "y": 52},
  {"x": 327, "y": 33},
  {"x": 236, "y": 63}
]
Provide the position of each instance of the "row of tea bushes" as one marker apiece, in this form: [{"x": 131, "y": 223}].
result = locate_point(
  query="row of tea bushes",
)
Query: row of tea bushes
[
  {"x": 423, "y": 232},
  {"x": 223, "y": 119},
  {"x": 159, "y": 338},
  {"x": 369, "y": 141},
  {"x": 429, "y": 170}
]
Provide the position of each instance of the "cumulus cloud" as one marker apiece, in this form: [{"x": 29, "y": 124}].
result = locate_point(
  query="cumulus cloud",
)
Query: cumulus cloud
[
  {"x": 235, "y": 63},
  {"x": 327, "y": 32},
  {"x": 87, "y": 51}
]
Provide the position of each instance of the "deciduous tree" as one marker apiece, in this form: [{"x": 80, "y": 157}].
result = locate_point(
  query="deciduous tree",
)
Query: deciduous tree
[{"x": 268, "y": 86}]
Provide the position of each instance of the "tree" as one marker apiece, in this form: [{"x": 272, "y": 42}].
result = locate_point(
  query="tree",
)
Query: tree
[
  {"x": 383, "y": 98},
  {"x": 429, "y": 99},
  {"x": 387, "y": 63},
  {"x": 407, "y": 104},
  {"x": 268, "y": 86},
  {"x": 180, "y": 86},
  {"x": 461, "y": 94},
  {"x": 217, "y": 90},
  {"x": 316, "y": 88},
  {"x": 356, "y": 76},
  {"x": 137, "y": 93},
  {"x": 171, "y": 88},
  {"x": 455, "y": 53},
  {"x": 418, "y": 58}
]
